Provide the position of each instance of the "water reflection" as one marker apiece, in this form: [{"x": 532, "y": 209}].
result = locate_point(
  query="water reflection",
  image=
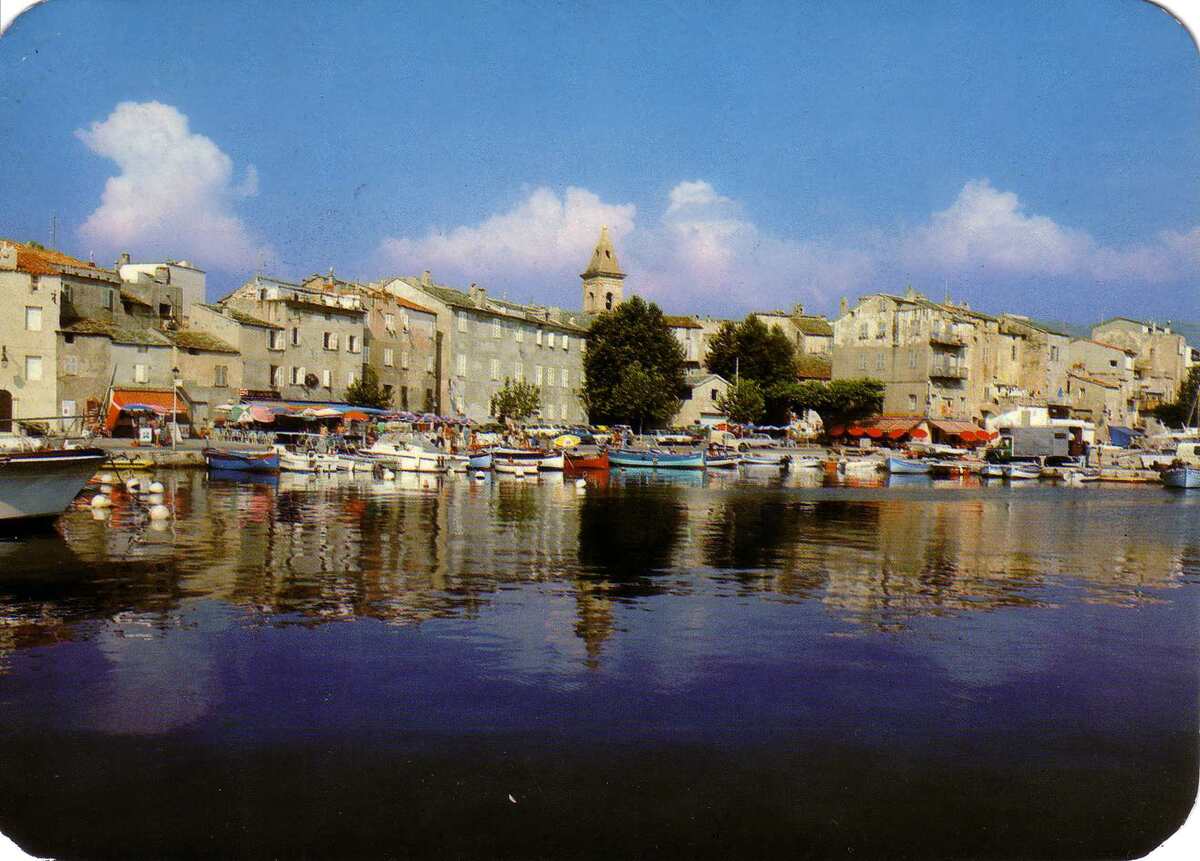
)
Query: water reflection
[{"x": 313, "y": 549}]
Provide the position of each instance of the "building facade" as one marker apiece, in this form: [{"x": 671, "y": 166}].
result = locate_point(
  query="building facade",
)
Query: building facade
[
  {"x": 603, "y": 280},
  {"x": 318, "y": 352},
  {"x": 1161, "y": 357},
  {"x": 485, "y": 341}
]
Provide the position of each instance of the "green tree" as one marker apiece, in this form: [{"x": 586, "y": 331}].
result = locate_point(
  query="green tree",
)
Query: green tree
[
  {"x": 836, "y": 402},
  {"x": 749, "y": 350},
  {"x": 366, "y": 391},
  {"x": 1178, "y": 412},
  {"x": 516, "y": 400},
  {"x": 743, "y": 403},
  {"x": 633, "y": 368}
]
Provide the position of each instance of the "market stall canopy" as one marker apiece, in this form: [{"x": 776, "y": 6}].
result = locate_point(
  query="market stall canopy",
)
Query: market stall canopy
[
  {"x": 158, "y": 401},
  {"x": 567, "y": 440}
]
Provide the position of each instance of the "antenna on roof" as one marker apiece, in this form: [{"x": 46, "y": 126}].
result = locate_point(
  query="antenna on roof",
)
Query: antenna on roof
[{"x": 53, "y": 230}]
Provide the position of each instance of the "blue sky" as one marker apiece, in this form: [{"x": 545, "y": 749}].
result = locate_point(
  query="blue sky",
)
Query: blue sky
[{"x": 1039, "y": 158}]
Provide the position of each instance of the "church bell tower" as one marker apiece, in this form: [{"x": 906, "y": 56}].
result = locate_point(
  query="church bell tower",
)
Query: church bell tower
[{"x": 603, "y": 289}]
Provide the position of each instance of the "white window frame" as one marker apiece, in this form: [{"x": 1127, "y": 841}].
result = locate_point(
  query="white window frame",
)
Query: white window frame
[
  {"x": 460, "y": 368},
  {"x": 519, "y": 372},
  {"x": 550, "y": 340},
  {"x": 352, "y": 344},
  {"x": 519, "y": 334},
  {"x": 537, "y": 375},
  {"x": 539, "y": 337},
  {"x": 140, "y": 373},
  {"x": 327, "y": 378},
  {"x": 566, "y": 342},
  {"x": 563, "y": 376},
  {"x": 70, "y": 366},
  {"x": 33, "y": 315},
  {"x": 495, "y": 369},
  {"x": 462, "y": 323}
]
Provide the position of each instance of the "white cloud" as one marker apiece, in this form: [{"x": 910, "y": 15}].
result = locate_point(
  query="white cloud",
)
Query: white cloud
[
  {"x": 986, "y": 233},
  {"x": 175, "y": 192},
  {"x": 703, "y": 253},
  {"x": 691, "y": 194},
  {"x": 544, "y": 236}
]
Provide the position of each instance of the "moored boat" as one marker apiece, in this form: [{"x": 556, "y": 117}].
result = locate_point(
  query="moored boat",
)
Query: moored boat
[
  {"x": 907, "y": 466},
  {"x": 655, "y": 459},
  {"x": 582, "y": 463},
  {"x": 992, "y": 470},
  {"x": 1022, "y": 471},
  {"x": 242, "y": 461},
  {"x": 480, "y": 460},
  {"x": 41, "y": 484},
  {"x": 1182, "y": 476}
]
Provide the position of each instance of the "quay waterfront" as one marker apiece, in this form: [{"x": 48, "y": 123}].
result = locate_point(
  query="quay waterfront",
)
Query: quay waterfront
[{"x": 664, "y": 663}]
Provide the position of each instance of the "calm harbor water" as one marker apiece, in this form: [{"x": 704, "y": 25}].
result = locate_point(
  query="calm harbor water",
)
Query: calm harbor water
[{"x": 655, "y": 666}]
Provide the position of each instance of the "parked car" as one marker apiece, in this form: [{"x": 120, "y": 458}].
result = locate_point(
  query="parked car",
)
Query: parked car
[
  {"x": 756, "y": 440},
  {"x": 673, "y": 437}
]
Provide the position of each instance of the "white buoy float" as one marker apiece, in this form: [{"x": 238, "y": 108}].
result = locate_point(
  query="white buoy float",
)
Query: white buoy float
[
  {"x": 388, "y": 475},
  {"x": 132, "y": 485},
  {"x": 581, "y": 483},
  {"x": 156, "y": 487},
  {"x": 154, "y": 498},
  {"x": 159, "y": 512},
  {"x": 480, "y": 476},
  {"x": 101, "y": 501},
  {"x": 106, "y": 489},
  {"x": 107, "y": 478},
  {"x": 101, "y": 513}
]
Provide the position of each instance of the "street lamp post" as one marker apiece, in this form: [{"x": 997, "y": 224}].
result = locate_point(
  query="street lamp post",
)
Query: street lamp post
[{"x": 175, "y": 383}]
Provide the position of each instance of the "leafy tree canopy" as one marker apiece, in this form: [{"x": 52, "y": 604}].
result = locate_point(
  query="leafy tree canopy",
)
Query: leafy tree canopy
[
  {"x": 744, "y": 402},
  {"x": 633, "y": 368},
  {"x": 516, "y": 400},
  {"x": 1177, "y": 413},
  {"x": 749, "y": 350},
  {"x": 837, "y": 401},
  {"x": 366, "y": 392}
]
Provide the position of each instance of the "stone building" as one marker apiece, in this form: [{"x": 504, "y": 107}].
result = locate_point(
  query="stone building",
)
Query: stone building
[
  {"x": 690, "y": 334},
  {"x": 401, "y": 342},
  {"x": 940, "y": 359},
  {"x": 167, "y": 290},
  {"x": 30, "y": 285},
  {"x": 699, "y": 404},
  {"x": 810, "y": 334},
  {"x": 1102, "y": 385},
  {"x": 256, "y": 342},
  {"x": 1161, "y": 357},
  {"x": 487, "y": 340},
  {"x": 318, "y": 353}
]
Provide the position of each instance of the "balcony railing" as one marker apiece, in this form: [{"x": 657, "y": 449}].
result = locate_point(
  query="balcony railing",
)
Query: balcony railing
[
  {"x": 946, "y": 339},
  {"x": 948, "y": 371}
]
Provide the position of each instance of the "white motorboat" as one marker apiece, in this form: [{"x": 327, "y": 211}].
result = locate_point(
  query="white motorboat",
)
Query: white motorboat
[
  {"x": 808, "y": 463},
  {"x": 992, "y": 470},
  {"x": 859, "y": 466},
  {"x": 305, "y": 461},
  {"x": 41, "y": 484},
  {"x": 1182, "y": 476},
  {"x": 1022, "y": 471}
]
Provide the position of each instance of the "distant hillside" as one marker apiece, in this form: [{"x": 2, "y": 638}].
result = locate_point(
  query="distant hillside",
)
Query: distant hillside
[
  {"x": 1191, "y": 331},
  {"x": 1075, "y": 330}
]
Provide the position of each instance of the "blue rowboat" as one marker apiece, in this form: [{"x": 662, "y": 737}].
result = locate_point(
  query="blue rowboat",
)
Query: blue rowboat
[
  {"x": 243, "y": 461},
  {"x": 907, "y": 466},
  {"x": 482, "y": 460},
  {"x": 655, "y": 459},
  {"x": 1182, "y": 476}
]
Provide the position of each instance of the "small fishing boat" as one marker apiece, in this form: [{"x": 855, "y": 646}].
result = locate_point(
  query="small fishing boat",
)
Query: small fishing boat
[
  {"x": 242, "y": 461},
  {"x": 1022, "y": 471},
  {"x": 859, "y": 466},
  {"x": 655, "y": 459},
  {"x": 908, "y": 466},
  {"x": 415, "y": 459},
  {"x": 992, "y": 470},
  {"x": 1182, "y": 476},
  {"x": 767, "y": 461},
  {"x": 41, "y": 484},
  {"x": 479, "y": 460},
  {"x": 583, "y": 463},
  {"x": 552, "y": 462},
  {"x": 304, "y": 461},
  {"x": 808, "y": 463}
]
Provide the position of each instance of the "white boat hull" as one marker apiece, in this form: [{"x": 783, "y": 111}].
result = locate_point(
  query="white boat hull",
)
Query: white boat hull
[{"x": 33, "y": 486}]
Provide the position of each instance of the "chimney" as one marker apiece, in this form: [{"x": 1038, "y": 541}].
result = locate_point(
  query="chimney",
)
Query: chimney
[
  {"x": 123, "y": 260},
  {"x": 8, "y": 257},
  {"x": 426, "y": 279},
  {"x": 478, "y": 295},
  {"x": 843, "y": 306},
  {"x": 798, "y": 310}
]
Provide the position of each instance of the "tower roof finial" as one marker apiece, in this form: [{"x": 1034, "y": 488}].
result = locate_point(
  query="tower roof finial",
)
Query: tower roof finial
[{"x": 604, "y": 258}]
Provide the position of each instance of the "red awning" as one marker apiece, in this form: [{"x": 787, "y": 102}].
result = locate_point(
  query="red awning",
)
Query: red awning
[
  {"x": 855, "y": 431},
  {"x": 967, "y": 436},
  {"x": 874, "y": 432},
  {"x": 953, "y": 428},
  {"x": 354, "y": 416},
  {"x": 919, "y": 433},
  {"x": 897, "y": 433},
  {"x": 158, "y": 400},
  {"x": 837, "y": 430}
]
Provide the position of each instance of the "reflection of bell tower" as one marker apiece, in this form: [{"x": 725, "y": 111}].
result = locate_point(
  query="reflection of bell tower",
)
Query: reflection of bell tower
[
  {"x": 594, "y": 623},
  {"x": 603, "y": 289}
]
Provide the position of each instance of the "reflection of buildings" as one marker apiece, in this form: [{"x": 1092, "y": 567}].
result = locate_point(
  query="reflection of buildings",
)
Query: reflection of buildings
[{"x": 314, "y": 550}]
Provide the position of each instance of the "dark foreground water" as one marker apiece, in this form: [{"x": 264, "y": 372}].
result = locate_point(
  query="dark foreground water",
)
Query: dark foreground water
[{"x": 649, "y": 667}]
